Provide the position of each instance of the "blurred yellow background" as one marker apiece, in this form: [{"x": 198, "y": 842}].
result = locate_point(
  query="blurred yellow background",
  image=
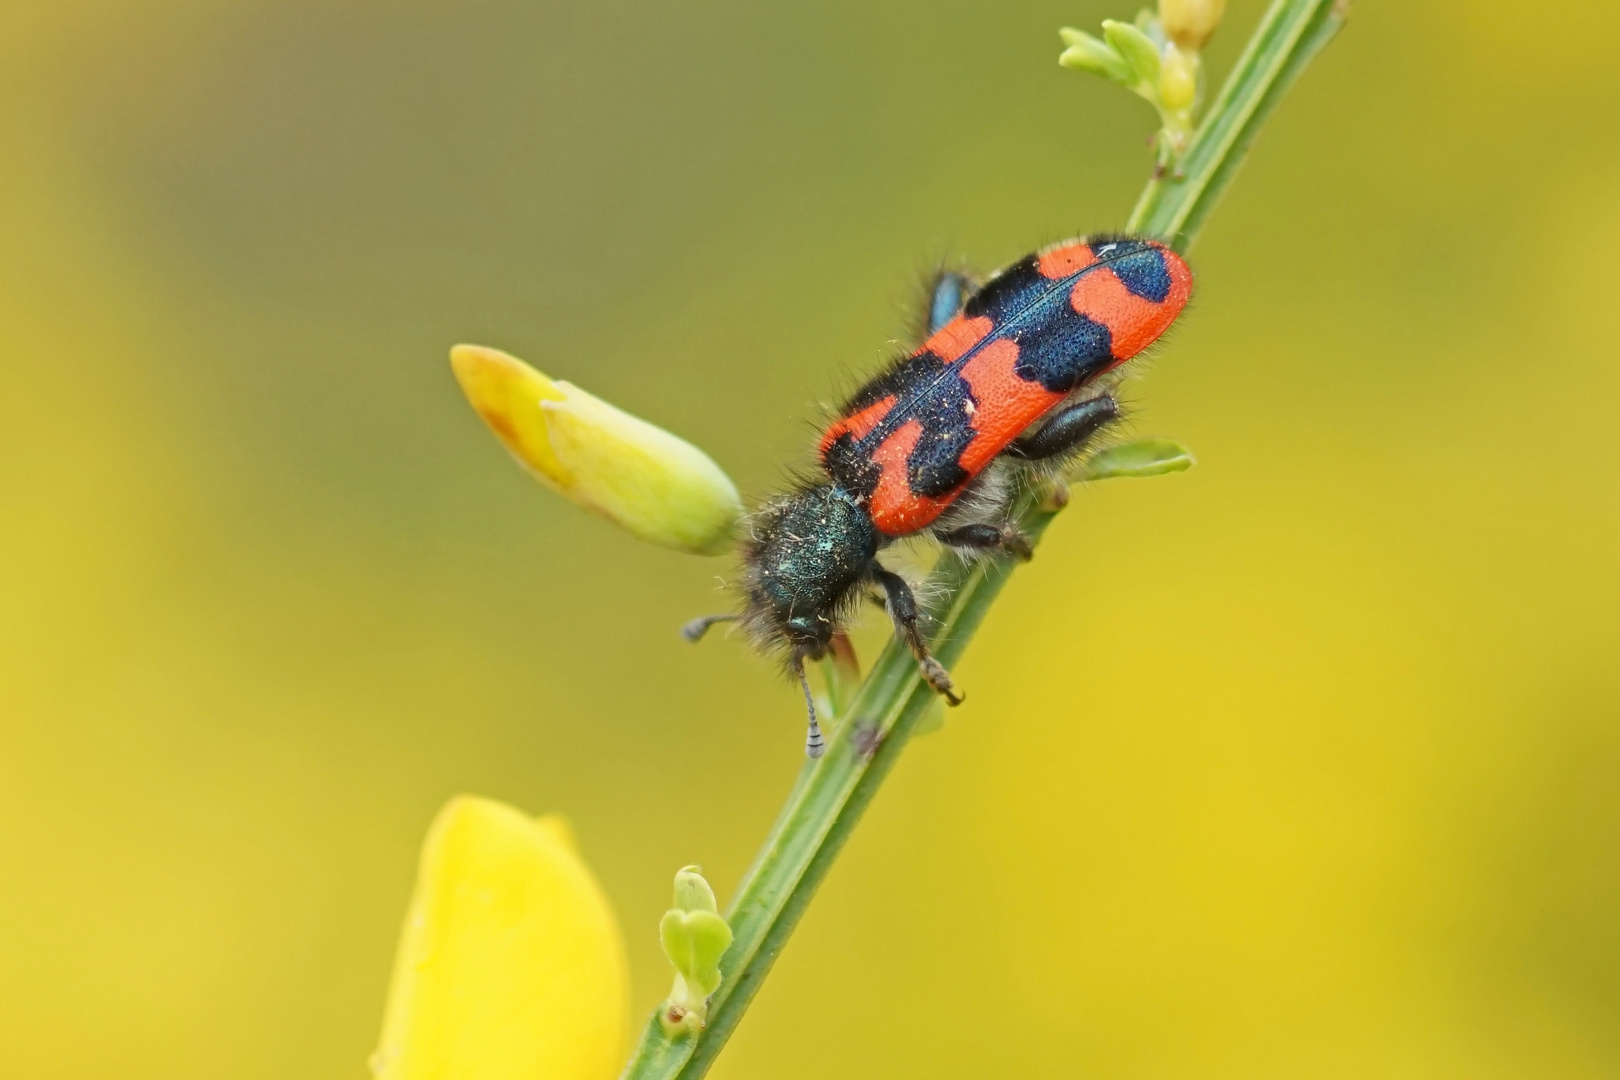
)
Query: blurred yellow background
[{"x": 1304, "y": 763}]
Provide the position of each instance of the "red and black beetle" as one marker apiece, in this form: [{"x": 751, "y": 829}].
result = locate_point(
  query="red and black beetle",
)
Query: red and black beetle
[{"x": 1004, "y": 377}]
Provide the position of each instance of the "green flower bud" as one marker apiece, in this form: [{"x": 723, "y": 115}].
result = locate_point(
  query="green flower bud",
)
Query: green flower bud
[
  {"x": 659, "y": 487},
  {"x": 1190, "y": 23},
  {"x": 694, "y": 937},
  {"x": 1137, "y": 49},
  {"x": 1086, "y": 53},
  {"x": 1178, "y": 79}
]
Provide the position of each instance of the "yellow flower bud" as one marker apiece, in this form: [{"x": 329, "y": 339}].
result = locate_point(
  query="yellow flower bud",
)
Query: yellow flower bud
[
  {"x": 510, "y": 963},
  {"x": 1178, "y": 78},
  {"x": 1190, "y": 23},
  {"x": 658, "y": 486}
]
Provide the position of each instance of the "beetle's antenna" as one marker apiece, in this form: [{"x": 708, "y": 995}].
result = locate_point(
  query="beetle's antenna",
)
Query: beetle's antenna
[
  {"x": 694, "y": 630},
  {"x": 814, "y": 744}
]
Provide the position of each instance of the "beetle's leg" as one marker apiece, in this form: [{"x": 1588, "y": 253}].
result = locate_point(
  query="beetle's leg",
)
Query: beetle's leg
[
  {"x": 903, "y": 610},
  {"x": 1066, "y": 431},
  {"x": 694, "y": 630},
  {"x": 986, "y": 537},
  {"x": 949, "y": 292}
]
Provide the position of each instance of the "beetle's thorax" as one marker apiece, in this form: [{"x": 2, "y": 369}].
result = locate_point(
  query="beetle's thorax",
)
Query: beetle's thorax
[{"x": 805, "y": 555}]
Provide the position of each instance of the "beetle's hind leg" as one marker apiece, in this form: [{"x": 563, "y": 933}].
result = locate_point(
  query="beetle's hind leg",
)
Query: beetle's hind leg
[
  {"x": 902, "y": 604},
  {"x": 983, "y": 536},
  {"x": 1066, "y": 431},
  {"x": 980, "y": 521}
]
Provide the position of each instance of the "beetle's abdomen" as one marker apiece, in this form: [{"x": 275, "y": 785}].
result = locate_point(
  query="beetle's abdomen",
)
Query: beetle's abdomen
[{"x": 910, "y": 440}]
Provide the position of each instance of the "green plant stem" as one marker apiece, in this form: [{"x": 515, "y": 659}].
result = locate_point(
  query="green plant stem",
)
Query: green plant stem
[
  {"x": 832, "y": 793},
  {"x": 1175, "y": 204}
]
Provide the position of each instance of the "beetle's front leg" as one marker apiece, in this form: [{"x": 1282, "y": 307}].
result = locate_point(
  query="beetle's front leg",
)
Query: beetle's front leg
[{"x": 903, "y": 610}]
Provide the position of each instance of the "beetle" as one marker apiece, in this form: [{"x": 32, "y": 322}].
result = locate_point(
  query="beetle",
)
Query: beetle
[{"x": 1006, "y": 380}]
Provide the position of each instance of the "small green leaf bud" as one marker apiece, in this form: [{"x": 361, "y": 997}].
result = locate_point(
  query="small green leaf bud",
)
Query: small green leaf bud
[
  {"x": 694, "y": 941},
  {"x": 692, "y": 892},
  {"x": 1190, "y": 23},
  {"x": 694, "y": 937},
  {"x": 1137, "y": 49},
  {"x": 1147, "y": 457},
  {"x": 1086, "y": 53}
]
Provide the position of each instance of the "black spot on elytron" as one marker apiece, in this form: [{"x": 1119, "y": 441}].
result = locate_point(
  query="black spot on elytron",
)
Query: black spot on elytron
[
  {"x": 1064, "y": 350},
  {"x": 1143, "y": 273},
  {"x": 1111, "y": 247},
  {"x": 850, "y": 463},
  {"x": 847, "y": 459},
  {"x": 901, "y": 376},
  {"x": 933, "y": 467},
  {"x": 1011, "y": 291},
  {"x": 928, "y": 392}
]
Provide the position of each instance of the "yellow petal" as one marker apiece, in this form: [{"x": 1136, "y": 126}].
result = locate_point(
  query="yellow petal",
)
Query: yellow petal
[
  {"x": 510, "y": 965},
  {"x": 507, "y": 393}
]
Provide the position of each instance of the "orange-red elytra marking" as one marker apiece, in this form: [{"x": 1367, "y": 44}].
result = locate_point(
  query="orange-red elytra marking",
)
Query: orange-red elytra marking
[
  {"x": 956, "y": 337},
  {"x": 990, "y": 378},
  {"x": 1133, "y": 321},
  {"x": 858, "y": 424},
  {"x": 1063, "y": 260},
  {"x": 895, "y": 508}
]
